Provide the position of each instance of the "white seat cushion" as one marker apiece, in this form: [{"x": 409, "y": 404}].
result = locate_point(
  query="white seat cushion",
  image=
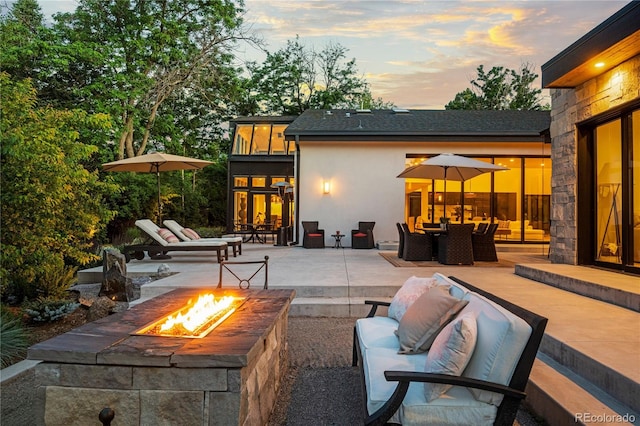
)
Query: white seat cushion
[
  {"x": 377, "y": 332},
  {"x": 415, "y": 409}
]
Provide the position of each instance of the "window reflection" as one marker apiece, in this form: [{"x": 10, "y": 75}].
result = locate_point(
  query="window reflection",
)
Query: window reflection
[{"x": 609, "y": 194}]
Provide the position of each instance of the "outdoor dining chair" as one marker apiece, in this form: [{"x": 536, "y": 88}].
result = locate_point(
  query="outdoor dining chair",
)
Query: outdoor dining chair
[
  {"x": 417, "y": 246},
  {"x": 482, "y": 228},
  {"x": 455, "y": 246},
  {"x": 400, "y": 240},
  {"x": 484, "y": 245}
]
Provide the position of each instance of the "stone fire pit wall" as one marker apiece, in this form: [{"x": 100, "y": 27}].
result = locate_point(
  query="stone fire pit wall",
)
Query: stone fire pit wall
[{"x": 229, "y": 377}]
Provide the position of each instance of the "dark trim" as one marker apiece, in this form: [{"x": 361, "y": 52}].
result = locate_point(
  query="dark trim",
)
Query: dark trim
[
  {"x": 626, "y": 224},
  {"x": 395, "y": 137},
  {"x": 585, "y": 190},
  {"x": 617, "y": 27},
  {"x": 258, "y": 119}
]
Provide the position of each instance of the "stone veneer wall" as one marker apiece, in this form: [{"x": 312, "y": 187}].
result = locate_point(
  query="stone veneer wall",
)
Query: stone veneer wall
[
  {"x": 570, "y": 106},
  {"x": 147, "y": 395}
]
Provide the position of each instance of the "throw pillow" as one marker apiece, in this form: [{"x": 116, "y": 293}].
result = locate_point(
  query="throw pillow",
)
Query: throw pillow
[
  {"x": 168, "y": 235},
  {"x": 412, "y": 288},
  {"x": 451, "y": 352},
  {"x": 190, "y": 233},
  {"x": 426, "y": 317}
]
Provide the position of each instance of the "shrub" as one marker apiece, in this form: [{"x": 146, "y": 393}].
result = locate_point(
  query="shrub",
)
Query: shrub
[
  {"x": 48, "y": 309},
  {"x": 211, "y": 232},
  {"x": 13, "y": 338},
  {"x": 56, "y": 279}
]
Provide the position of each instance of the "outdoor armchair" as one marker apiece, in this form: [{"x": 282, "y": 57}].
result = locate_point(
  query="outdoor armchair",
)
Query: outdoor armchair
[
  {"x": 313, "y": 237},
  {"x": 362, "y": 238}
]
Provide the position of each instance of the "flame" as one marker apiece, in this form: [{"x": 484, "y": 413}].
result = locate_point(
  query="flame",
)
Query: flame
[{"x": 199, "y": 314}]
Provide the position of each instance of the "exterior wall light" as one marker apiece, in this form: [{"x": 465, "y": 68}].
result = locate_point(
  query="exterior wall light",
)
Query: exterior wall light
[{"x": 326, "y": 187}]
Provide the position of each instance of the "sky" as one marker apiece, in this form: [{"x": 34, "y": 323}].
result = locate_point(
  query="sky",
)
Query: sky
[{"x": 416, "y": 53}]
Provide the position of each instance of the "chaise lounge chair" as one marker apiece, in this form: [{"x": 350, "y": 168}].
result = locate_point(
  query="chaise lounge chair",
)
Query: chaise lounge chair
[
  {"x": 187, "y": 235},
  {"x": 158, "y": 245}
]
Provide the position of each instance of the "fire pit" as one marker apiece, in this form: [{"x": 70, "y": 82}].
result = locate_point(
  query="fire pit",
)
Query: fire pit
[
  {"x": 195, "y": 320},
  {"x": 227, "y": 372}
]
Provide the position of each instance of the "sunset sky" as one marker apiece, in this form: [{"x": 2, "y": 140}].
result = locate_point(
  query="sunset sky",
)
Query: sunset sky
[{"x": 415, "y": 53}]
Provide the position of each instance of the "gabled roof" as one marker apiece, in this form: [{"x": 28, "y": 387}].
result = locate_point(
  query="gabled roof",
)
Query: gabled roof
[
  {"x": 420, "y": 125},
  {"x": 612, "y": 42}
]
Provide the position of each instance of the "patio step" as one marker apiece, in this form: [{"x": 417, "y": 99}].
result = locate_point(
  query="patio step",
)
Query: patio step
[
  {"x": 602, "y": 285},
  {"x": 561, "y": 397},
  {"x": 612, "y": 388}
]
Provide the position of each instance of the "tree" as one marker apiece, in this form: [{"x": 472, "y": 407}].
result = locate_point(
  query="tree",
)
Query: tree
[
  {"x": 500, "y": 89},
  {"x": 297, "y": 78},
  {"x": 52, "y": 206},
  {"x": 132, "y": 56}
]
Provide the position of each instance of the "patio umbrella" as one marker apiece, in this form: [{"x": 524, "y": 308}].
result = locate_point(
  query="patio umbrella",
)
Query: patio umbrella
[
  {"x": 449, "y": 167},
  {"x": 155, "y": 162}
]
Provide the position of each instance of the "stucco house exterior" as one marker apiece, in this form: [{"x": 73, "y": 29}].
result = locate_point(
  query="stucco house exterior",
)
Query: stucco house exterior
[
  {"x": 595, "y": 132},
  {"x": 346, "y": 162}
]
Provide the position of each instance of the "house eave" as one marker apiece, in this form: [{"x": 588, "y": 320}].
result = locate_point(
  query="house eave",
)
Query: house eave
[{"x": 612, "y": 42}]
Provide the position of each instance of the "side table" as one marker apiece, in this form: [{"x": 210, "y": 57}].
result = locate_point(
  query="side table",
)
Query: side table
[{"x": 338, "y": 238}]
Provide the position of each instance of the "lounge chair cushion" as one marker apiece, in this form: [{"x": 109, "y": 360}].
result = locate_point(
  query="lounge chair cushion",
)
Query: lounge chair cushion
[
  {"x": 412, "y": 288},
  {"x": 426, "y": 317},
  {"x": 168, "y": 235},
  {"x": 191, "y": 234},
  {"x": 451, "y": 352},
  {"x": 315, "y": 235},
  {"x": 360, "y": 234}
]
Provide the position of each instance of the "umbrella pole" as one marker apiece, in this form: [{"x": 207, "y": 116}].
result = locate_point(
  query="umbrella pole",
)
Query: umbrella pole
[
  {"x": 444, "y": 213},
  {"x": 159, "y": 202}
]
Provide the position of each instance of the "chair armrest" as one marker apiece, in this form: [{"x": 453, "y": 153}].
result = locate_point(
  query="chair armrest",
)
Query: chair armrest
[
  {"x": 374, "y": 307},
  {"x": 404, "y": 379},
  {"x": 414, "y": 376}
]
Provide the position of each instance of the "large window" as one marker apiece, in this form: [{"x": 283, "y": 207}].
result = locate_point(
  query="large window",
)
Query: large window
[
  {"x": 609, "y": 192},
  {"x": 517, "y": 199},
  {"x": 613, "y": 155},
  {"x": 260, "y": 202},
  {"x": 261, "y": 139}
]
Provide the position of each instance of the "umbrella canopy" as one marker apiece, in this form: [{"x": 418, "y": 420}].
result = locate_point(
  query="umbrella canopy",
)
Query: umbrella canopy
[
  {"x": 156, "y": 162},
  {"x": 449, "y": 167}
]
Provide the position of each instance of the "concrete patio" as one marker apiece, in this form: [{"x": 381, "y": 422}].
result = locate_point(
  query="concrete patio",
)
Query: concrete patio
[
  {"x": 591, "y": 343},
  {"x": 588, "y": 363}
]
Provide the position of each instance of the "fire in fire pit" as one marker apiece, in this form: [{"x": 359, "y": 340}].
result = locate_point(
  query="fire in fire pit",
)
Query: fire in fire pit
[{"x": 194, "y": 320}]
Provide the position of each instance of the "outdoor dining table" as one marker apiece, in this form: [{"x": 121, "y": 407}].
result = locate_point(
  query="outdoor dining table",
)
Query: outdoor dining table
[
  {"x": 253, "y": 232},
  {"x": 434, "y": 234}
]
